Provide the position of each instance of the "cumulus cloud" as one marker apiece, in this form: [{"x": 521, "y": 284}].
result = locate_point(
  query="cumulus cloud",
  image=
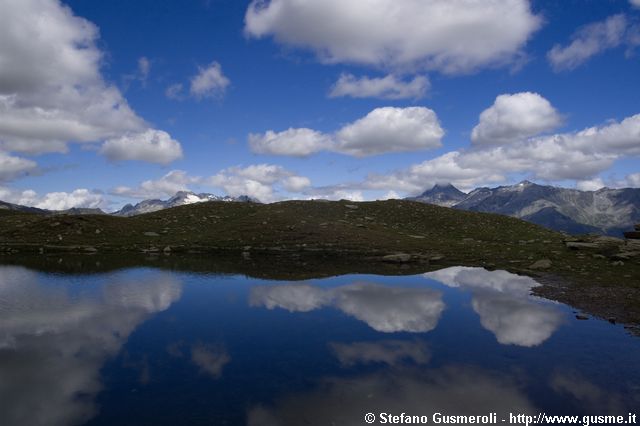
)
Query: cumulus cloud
[
  {"x": 383, "y": 130},
  {"x": 81, "y": 198},
  {"x": 167, "y": 185},
  {"x": 262, "y": 181},
  {"x": 563, "y": 156},
  {"x": 587, "y": 42},
  {"x": 388, "y": 87},
  {"x": 300, "y": 142},
  {"x": 391, "y": 130},
  {"x": 51, "y": 88},
  {"x": 336, "y": 192},
  {"x": 154, "y": 146},
  {"x": 210, "y": 82},
  {"x": 633, "y": 180},
  {"x": 590, "y": 184},
  {"x": 515, "y": 117},
  {"x": 450, "y": 36},
  {"x": 12, "y": 167}
]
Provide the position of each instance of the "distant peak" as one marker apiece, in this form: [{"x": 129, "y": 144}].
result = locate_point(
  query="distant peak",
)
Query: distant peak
[{"x": 443, "y": 185}]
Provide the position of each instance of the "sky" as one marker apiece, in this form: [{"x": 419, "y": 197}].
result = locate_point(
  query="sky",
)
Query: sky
[{"x": 107, "y": 103}]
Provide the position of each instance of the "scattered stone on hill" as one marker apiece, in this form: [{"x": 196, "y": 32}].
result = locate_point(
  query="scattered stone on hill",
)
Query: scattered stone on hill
[
  {"x": 397, "y": 258},
  {"x": 541, "y": 264}
]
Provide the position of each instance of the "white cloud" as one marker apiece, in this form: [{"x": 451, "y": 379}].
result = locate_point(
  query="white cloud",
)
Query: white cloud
[
  {"x": 14, "y": 167},
  {"x": 590, "y": 184},
  {"x": 391, "y": 130},
  {"x": 51, "y": 89},
  {"x": 67, "y": 200},
  {"x": 174, "y": 91},
  {"x": 451, "y": 36},
  {"x": 210, "y": 82},
  {"x": 388, "y": 87},
  {"x": 632, "y": 180},
  {"x": 588, "y": 41},
  {"x": 144, "y": 67},
  {"x": 262, "y": 181},
  {"x": 383, "y": 130},
  {"x": 167, "y": 185},
  {"x": 294, "y": 142},
  {"x": 515, "y": 117},
  {"x": 154, "y": 146},
  {"x": 564, "y": 156},
  {"x": 81, "y": 198},
  {"x": 343, "y": 191},
  {"x": 296, "y": 183},
  {"x": 635, "y": 3}
]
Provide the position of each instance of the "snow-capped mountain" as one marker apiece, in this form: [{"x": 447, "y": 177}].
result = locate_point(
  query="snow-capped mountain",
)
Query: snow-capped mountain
[
  {"x": 605, "y": 211},
  {"x": 180, "y": 199}
]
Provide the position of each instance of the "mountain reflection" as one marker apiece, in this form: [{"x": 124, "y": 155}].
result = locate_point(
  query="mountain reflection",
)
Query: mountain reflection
[
  {"x": 53, "y": 342},
  {"x": 390, "y": 352},
  {"x": 385, "y": 309},
  {"x": 454, "y": 390},
  {"x": 504, "y": 304}
]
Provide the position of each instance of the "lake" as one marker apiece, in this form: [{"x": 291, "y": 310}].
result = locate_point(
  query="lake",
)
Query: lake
[{"x": 145, "y": 346}]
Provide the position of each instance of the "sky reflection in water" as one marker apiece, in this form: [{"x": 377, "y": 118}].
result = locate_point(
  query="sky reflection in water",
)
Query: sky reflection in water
[{"x": 144, "y": 346}]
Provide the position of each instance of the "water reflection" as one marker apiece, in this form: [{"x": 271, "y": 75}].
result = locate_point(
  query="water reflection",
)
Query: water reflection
[
  {"x": 504, "y": 304},
  {"x": 390, "y": 352},
  {"x": 210, "y": 358},
  {"x": 53, "y": 342},
  {"x": 385, "y": 309},
  {"x": 456, "y": 390}
]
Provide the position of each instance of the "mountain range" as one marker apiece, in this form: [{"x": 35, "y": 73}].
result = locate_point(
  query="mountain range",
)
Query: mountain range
[
  {"x": 605, "y": 211},
  {"x": 147, "y": 206},
  {"x": 180, "y": 199}
]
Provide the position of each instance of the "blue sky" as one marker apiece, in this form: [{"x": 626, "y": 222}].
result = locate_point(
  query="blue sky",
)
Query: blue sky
[{"x": 103, "y": 103}]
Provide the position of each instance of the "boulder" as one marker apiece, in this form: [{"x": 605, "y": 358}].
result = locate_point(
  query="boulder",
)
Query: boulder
[
  {"x": 581, "y": 246},
  {"x": 397, "y": 258},
  {"x": 541, "y": 264},
  {"x": 632, "y": 235}
]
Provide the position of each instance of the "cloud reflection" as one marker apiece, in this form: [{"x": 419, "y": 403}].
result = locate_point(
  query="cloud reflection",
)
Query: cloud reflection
[
  {"x": 385, "y": 309},
  {"x": 53, "y": 341},
  {"x": 210, "y": 358},
  {"x": 505, "y": 305},
  {"x": 344, "y": 401}
]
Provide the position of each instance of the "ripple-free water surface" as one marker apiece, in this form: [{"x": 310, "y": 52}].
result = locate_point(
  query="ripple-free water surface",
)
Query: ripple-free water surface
[{"x": 151, "y": 347}]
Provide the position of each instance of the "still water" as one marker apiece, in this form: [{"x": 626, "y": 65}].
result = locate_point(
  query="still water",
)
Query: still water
[{"x": 152, "y": 347}]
